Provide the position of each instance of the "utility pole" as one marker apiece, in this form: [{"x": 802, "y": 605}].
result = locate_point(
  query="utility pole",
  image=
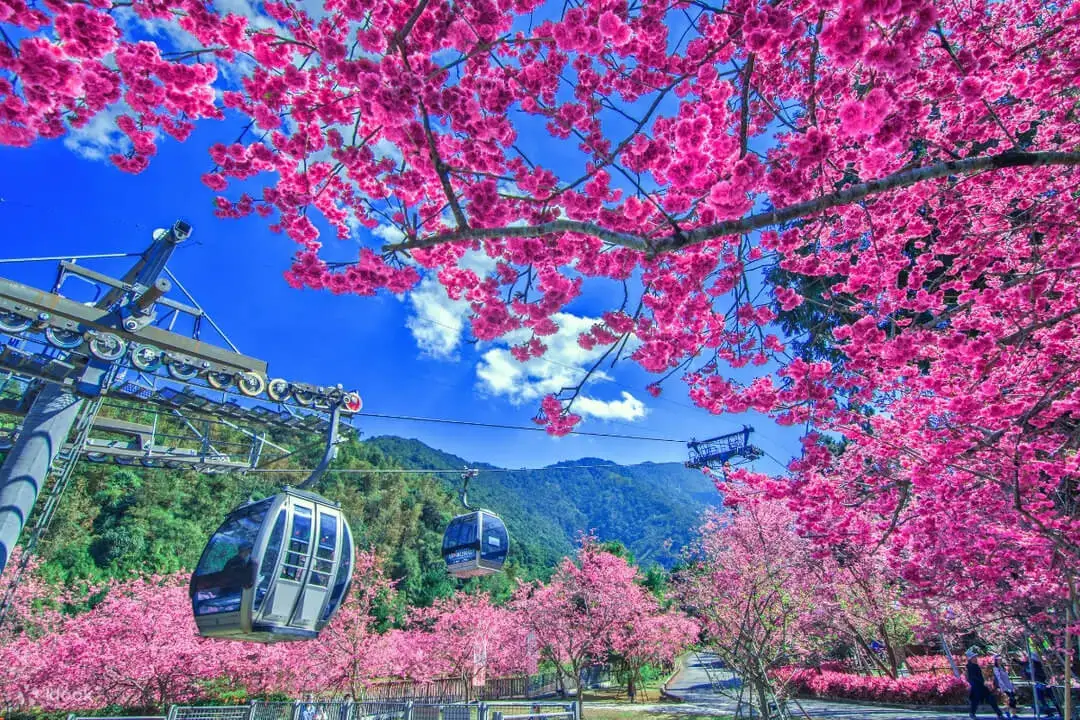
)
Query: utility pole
[{"x": 56, "y": 408}]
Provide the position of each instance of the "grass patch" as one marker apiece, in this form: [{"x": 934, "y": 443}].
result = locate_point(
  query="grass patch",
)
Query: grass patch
[{"x": 616, "y": 695}]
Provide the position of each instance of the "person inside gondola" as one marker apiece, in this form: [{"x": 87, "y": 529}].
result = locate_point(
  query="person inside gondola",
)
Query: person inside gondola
[
  {"x": 239, "y": 571},
  {"x": 220, "y": 591}
]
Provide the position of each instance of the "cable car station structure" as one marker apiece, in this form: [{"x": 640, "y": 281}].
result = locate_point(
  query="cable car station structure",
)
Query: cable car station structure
[{"x": 62, "y": 360}]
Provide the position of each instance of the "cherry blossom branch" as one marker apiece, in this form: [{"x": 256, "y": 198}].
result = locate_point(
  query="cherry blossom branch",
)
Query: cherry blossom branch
[
  {"x": 401, "y": 35},
  {"x": 744, "y": 118},
  {"x": 756, "y": 221}
]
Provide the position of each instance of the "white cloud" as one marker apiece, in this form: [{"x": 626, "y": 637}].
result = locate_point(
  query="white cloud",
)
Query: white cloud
[
  {"x": 100, "y": 137},
  {"x": 383, "y": 148},
  {"x": 629, "y": 408},
  {"x": 563, "y": 365},
  {"x": 438, "y": 325},
  {"x": 389, "y": 234},
  {"x": 437, "y": 321}
]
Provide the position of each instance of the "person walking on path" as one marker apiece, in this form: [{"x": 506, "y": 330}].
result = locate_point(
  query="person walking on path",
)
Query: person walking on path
[
  {"x": 1003, "y": 683},
  {"x": 979, "y": 693}
]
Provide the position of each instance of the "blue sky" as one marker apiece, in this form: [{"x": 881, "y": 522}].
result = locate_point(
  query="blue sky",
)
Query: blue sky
[{"x": 404, "y": 356}]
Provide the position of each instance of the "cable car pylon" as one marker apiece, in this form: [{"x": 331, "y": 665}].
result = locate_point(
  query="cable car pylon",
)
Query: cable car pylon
[
  {"x": 723, "y": 451},
  {"x": 78, "y": 351}
]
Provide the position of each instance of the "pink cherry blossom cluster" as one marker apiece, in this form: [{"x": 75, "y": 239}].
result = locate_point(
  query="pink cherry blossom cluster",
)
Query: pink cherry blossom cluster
[
  {"x": 592, "y": 608},
  {"x": 138, "y": 647},
  {"x": 402, "y": 114}
]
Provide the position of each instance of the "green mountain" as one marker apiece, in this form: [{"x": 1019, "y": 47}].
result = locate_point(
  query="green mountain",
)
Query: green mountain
[{"x": 651, "y": 508}]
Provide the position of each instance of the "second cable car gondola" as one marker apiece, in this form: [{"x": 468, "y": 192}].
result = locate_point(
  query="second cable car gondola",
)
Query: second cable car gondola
[
  {"x": 277, "y": 569},
  {"x": 475, "y": 543}
]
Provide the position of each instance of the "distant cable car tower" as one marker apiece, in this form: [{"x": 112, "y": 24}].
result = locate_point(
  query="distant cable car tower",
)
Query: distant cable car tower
[{"x": 731, "y": 449}]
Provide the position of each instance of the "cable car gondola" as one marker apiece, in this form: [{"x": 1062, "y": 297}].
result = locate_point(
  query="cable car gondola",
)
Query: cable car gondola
[
  {"x": 475, "y": 543},
  {"x": 277, "y": 569}
]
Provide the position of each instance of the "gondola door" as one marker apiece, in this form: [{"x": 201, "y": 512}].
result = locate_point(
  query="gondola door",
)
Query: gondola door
[
  {"x": 320, "y": 579},
  {"x": 293, "y": 573}
]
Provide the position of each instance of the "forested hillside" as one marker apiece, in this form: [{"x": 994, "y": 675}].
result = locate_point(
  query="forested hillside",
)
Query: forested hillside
[
  {"x": 115, "y": 520},
  {"x": 649, "y": 507}
]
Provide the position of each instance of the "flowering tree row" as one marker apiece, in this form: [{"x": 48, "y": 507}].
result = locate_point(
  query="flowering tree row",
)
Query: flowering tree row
[
  {"x": 138, "y": 647},
  {"x": 781, "y": 612}
]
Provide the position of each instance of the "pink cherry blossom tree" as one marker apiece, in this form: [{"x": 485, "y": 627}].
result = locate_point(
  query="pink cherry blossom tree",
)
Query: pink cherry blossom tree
[
  {"x": 469, "y": 638},
  {"x": 754, "y": 588},
  {"x": 909, "y": 166},
  {"x": 862, "y": 600},
  {"x": 138, "y": 647},
  {"x": 651, "y": 637},
  {"x": 351, "y": 649},
  {"x": 918, "y": 156},
  {"x": 589, "y": 608}
]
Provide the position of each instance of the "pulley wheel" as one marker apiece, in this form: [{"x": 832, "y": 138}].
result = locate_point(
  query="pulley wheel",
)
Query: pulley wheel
[
  {"x": 63, "y": 339},
  {"x": 14, "y": 323},
  {"x": 182, "y": 371},
  {"x": 107, "y": 347},
  {"x": 278, "y": 390},
  {"x": 303, "y": 398},
  {"x": 251, "y": 384},
  {"x": 96, "y": 457},
  {"x": 145, "y": 357},
  {"x": 219, "y": 380},
  {"x": 124, "y": 460},
  {"x": 353, "y": 403},
  {"x": 151, "y": 462}
]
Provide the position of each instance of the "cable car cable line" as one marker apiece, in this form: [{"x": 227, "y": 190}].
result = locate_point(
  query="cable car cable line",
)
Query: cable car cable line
[
  {"x": 419, "y": 471},
  {"x": 500, "y": 426}
]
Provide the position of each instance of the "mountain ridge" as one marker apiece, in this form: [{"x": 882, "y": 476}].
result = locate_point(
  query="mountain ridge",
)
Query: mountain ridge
[{"x": 652, "y": 508}]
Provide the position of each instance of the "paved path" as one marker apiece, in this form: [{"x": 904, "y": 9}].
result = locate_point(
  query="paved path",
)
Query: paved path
[{"x": 694, "y": 687}]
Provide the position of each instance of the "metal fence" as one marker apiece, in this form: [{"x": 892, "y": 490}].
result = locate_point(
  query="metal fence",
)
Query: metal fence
[
  {"x": 455, "y": 690},
  {"x": 534, "y": 711},
  {"x": 210, "y": 712},
  {"x": 371, "y": 710},
  {"x": 327, "y": 710}
]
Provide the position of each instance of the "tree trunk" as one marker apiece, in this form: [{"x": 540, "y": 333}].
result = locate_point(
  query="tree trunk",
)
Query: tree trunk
[
  {"x": 889, "y": 650},
  {"x": 874, "y": 659},
  {"x": 580, "y": 691},
  {"x": 1069, "y": 615},
  {"x": 763, "y": 700}
]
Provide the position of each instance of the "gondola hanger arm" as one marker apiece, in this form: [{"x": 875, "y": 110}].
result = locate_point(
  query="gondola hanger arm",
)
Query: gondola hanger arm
[
  {"x": 466, "y": 476},
  {"x": 331, "y": 448}
]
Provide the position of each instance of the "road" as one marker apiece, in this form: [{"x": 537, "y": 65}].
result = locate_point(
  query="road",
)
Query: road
[{"x": 693, "y": 686}]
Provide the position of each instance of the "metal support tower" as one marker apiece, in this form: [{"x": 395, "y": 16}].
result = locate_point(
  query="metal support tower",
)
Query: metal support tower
[
  {"x": 54, "y": 412},
  {"x": 128, "y": 328},
  {"x": 723, "y": 449}
]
